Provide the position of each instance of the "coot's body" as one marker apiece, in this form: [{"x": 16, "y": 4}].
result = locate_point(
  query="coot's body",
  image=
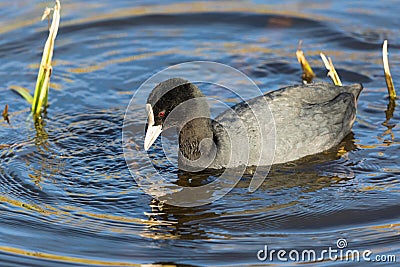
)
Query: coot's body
[{"x": 280, "y": 126}]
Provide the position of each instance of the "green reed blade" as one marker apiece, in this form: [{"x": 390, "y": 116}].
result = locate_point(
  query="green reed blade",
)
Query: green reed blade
[
  {"x": 23, "y": 92},
  {"x": 43, "y": 79}
]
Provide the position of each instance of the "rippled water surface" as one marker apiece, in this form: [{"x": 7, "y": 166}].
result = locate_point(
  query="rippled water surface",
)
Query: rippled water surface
[{"x": 67, "y": 197}]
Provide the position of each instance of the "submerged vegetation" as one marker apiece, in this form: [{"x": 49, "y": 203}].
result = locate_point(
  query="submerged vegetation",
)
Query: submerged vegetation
[{"x": 40, "y": 98}]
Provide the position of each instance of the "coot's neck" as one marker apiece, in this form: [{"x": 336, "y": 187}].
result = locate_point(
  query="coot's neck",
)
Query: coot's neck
[
  {"x": 192, "y": 134},
  {"x": 196, "y": 147}
]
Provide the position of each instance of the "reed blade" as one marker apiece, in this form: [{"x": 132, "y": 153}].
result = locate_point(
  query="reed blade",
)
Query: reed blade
[
  {"x": 40, "y": 97},
  {"x": 308, "y": 74},
  {"x": 331, "y": 69},
  {"x": 388, "y": 76},
  {"x": 23, "y": 92}
]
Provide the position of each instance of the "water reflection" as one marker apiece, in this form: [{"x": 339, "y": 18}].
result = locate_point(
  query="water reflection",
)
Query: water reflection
[
  {"x": 66, "y": 196},
  {"x": 307, "y": 175},
  {"x": 389, "y": 114},
  {"x": 48, "y": 162}
]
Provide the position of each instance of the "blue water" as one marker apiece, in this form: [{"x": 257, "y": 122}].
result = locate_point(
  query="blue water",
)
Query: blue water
[{"x": 67, "y": 197}]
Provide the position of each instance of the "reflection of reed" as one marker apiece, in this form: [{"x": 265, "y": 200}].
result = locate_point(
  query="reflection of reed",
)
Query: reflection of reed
[
  {"x": 389, "y": 114},
  {"x": 41, "y": 134},
  {"x": 49, "y": 164},
  {"x": 389, "y": 111},
  {"x": 42, "y": 147}
]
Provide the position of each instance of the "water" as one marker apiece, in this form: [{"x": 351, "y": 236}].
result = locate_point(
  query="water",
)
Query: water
[{"x": 67, "y": 197}]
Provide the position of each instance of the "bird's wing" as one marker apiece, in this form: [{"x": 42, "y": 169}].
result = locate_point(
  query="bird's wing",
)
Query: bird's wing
[{"x": 313, "y": 127}]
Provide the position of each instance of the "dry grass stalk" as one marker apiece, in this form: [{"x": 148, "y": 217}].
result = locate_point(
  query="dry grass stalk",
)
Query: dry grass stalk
[
  {"x": 308, "y": 74},
  {"x": 388, "y": 76},
  {"x": 331, "y": 69}
]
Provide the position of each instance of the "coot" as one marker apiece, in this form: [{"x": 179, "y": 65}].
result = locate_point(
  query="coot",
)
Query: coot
[{"x": 277, "y": 127}]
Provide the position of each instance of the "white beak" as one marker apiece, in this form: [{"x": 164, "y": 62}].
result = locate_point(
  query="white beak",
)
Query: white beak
[{"x": 152, "y": 131}]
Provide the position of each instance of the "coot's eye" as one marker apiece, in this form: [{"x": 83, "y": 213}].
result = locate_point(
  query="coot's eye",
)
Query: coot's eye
[{"x": 161, "y": 114}]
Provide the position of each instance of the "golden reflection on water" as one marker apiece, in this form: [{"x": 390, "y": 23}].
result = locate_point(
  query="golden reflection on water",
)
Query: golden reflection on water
[
  {"x": 17, "y": 25},
  {"x": 91, "y": 68},
  {"x": 199, "y": 7},
  {"x": 74, "y": 215},
  {"x": 49, "y": 256},
  {"x": 27, "y": 206},
  {"x": 93, "y": 14},
  {"x": 51, "y": 165}
]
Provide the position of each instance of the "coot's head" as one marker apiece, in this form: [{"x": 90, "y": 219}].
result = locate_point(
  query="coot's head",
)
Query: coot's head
[{"x": 164, "y": 98}]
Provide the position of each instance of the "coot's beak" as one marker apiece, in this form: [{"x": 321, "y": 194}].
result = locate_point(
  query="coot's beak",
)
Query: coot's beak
[{"x": 153, "y": 131}]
